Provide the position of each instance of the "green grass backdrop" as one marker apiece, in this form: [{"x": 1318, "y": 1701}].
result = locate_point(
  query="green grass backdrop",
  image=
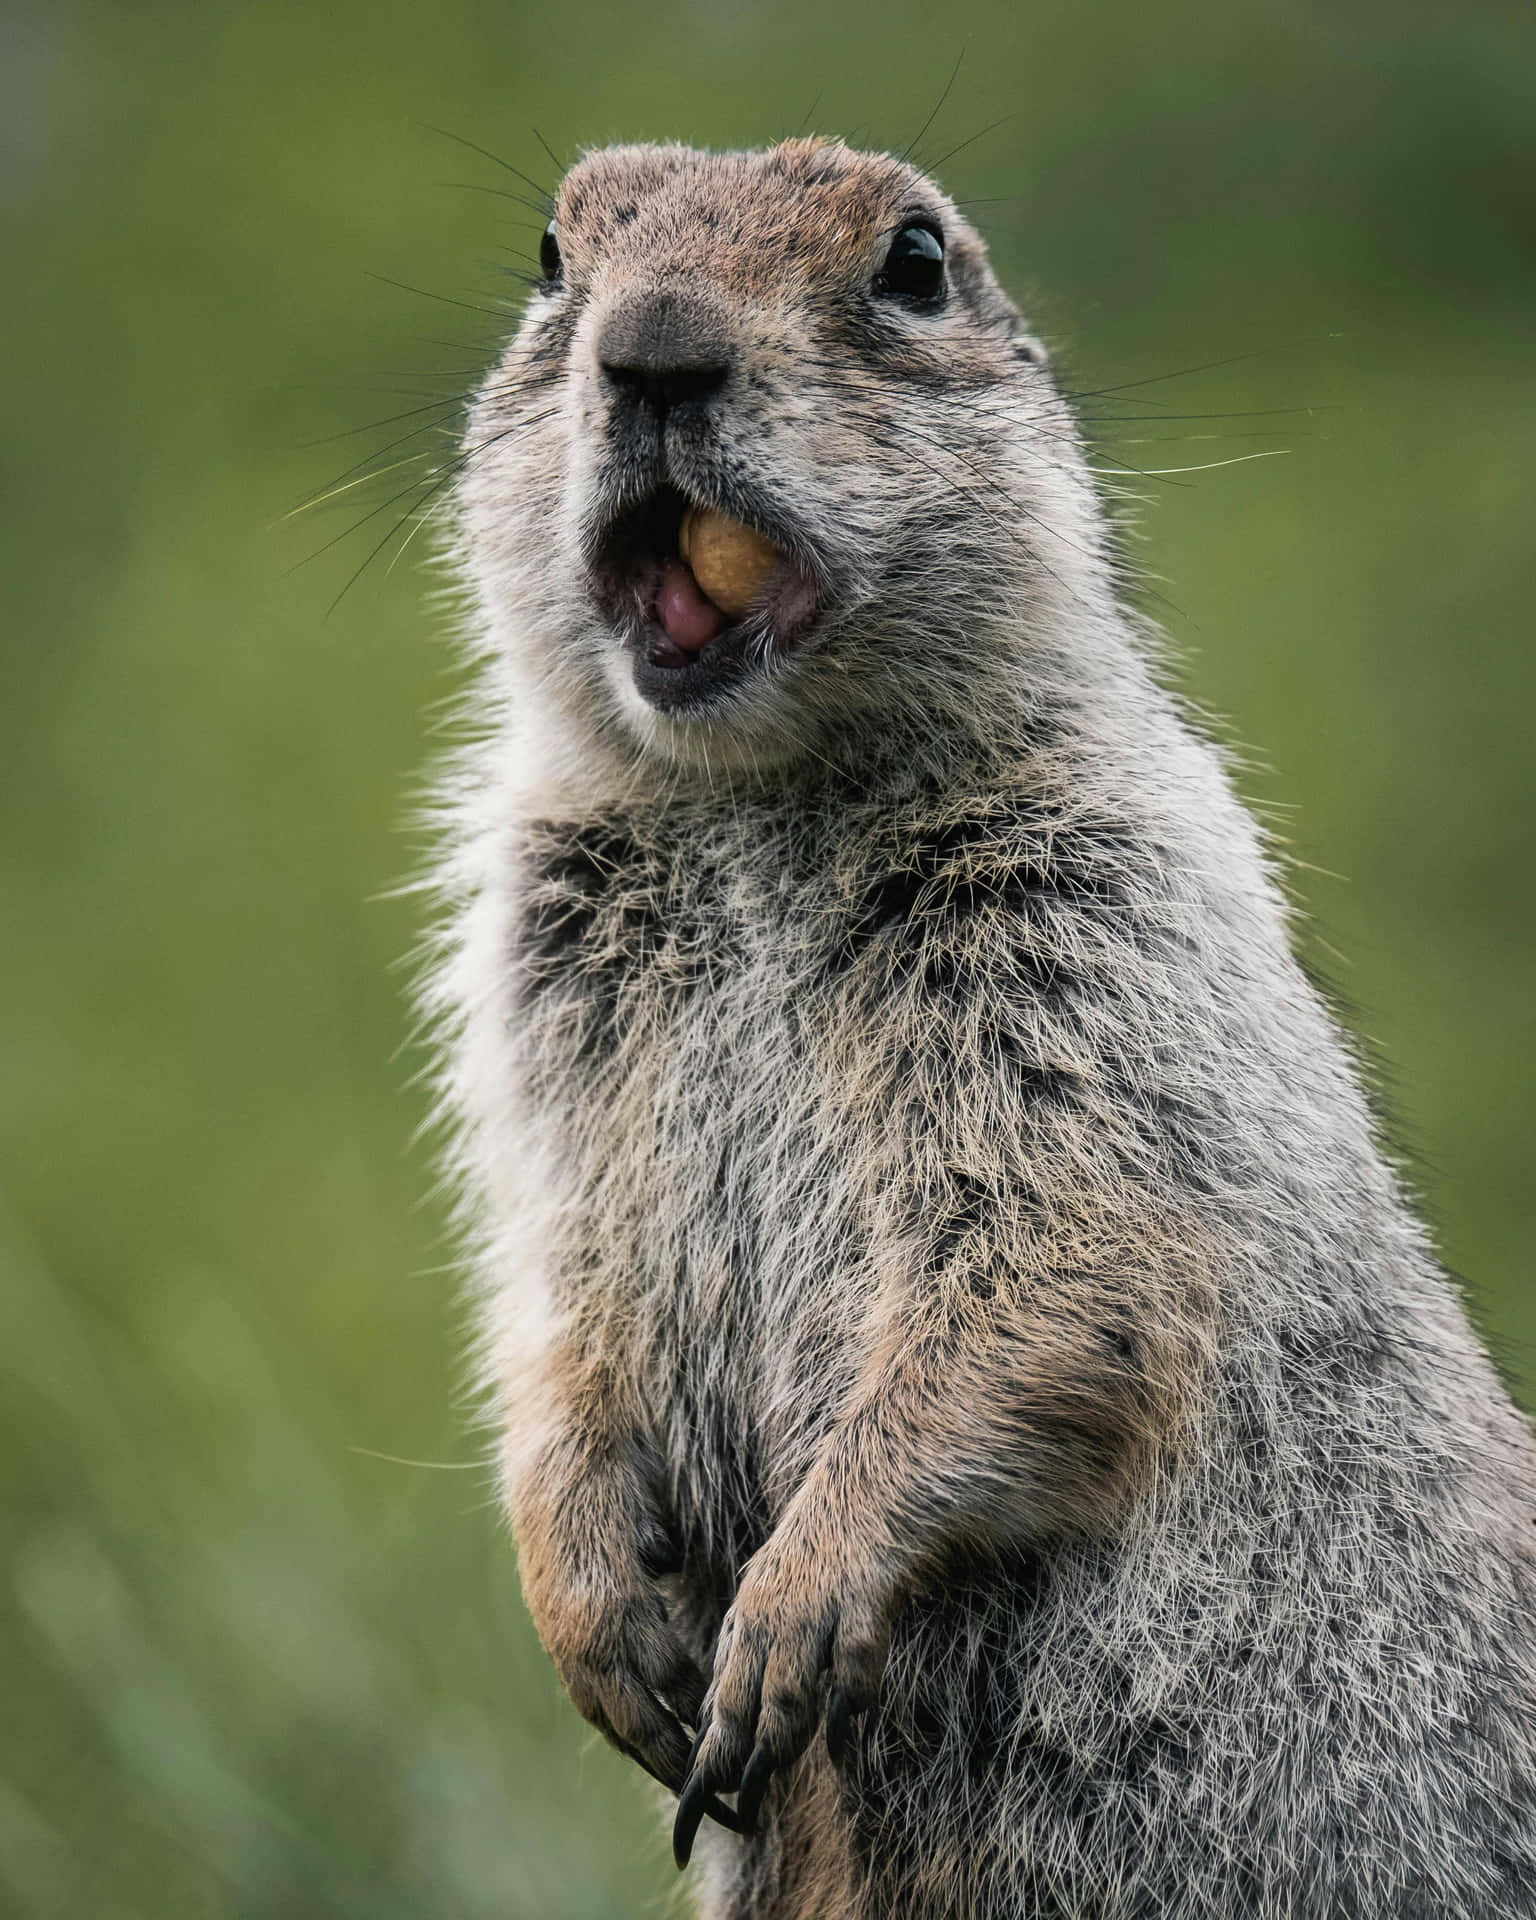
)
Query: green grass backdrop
[{"x": 251, "y": 1667}]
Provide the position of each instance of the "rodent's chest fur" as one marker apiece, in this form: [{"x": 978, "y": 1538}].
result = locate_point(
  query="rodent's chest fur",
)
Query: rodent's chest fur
[
  {"x": 720, "y": 1009},
  {"x": 674, "y": 984}
]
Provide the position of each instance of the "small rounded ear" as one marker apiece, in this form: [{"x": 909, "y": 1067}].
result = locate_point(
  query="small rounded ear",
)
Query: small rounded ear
[{"x": 1028, "y": 348}]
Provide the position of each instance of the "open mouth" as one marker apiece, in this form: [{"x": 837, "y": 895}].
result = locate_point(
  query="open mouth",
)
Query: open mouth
[{"x": 700, "y": 597}]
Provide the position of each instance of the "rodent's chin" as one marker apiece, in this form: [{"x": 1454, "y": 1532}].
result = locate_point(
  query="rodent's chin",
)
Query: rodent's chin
[{"x": 679, "y": 684}]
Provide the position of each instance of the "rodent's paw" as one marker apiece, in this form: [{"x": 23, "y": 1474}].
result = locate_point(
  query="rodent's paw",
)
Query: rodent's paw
[
  {"x": 622, "y": 1661},
  {"x": 627, "y": 1673},
  {"x": 797, "y": 1640}
]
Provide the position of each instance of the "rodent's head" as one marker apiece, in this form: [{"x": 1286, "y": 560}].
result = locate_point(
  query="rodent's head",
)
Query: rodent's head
[{"x": 796, "y": 367}]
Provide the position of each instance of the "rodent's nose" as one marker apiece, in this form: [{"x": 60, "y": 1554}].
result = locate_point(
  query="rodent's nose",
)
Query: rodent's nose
[
  {"x": 666, "y": 387},
  {"x": 663, "y": 350}
]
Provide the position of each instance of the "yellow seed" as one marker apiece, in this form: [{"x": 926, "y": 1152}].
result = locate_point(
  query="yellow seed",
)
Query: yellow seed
[{"x": 730, "y": 561}]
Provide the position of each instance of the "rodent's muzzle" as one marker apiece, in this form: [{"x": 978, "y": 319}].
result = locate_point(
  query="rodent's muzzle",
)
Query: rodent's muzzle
[{"x": 702, "y": 574}]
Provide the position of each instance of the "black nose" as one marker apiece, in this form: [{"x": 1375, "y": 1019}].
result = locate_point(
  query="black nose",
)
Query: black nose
[
  {"x": 664, "y": 351},
  {"x": 664, "y": 388}
]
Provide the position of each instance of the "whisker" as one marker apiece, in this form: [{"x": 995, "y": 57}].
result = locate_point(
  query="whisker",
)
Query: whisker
[
  {"x": 435, "y": 1466},
  {"x": 945, "y": 158},
  {"x": 496, "y": 313},
  {"x": 1013, "y": 532},
  {"x": 1188, "y": 439},
  {"x": 1204, "y": 366},
  {"x": 810, "y": 114},
  {"x": 560, "y": 164},
  {"x": 1208, "y": 466},
  {"x": 937, "y": 107},
  {"x": 416, "y": 507},
  {"x": 499, "y": 193},
  {"x": 445, "y": 408},
  {"x": 399, "y": 553},
  {"x": 545, "y": 196},
  {"x": 357, "y": 525},
  {"x": 427, "y": 490},
  {"x": 343, "y": 485},
  {"x": 410, "y": 413},
  {"x": 1238, "y": 413}
]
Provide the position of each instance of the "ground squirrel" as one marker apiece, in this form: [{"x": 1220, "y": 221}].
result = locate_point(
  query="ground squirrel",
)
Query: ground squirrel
[{"x": 972, "y": 1388}]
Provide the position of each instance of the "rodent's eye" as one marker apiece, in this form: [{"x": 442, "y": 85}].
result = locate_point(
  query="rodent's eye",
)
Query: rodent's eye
[
  {"x": 914, "y": 267},
  {"x": 549, "y": 254}
]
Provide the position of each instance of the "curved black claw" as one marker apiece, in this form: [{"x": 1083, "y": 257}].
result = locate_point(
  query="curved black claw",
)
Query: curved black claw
[
  {"x": 754, "y": 1784},
  {"x": 717, "y": 1810},
  {"x": 722, "y": 1815},
  {"x": 692, "y": 1805},
  {"x": 839, "y": 1717}
]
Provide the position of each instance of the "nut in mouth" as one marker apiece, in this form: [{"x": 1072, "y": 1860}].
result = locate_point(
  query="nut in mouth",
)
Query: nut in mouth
[{"x": 700, "y": 597}]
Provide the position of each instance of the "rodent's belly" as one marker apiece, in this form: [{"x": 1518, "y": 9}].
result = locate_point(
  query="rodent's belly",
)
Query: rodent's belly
[
  {"x": 718, "y": 1238},
  {"x": 749, "y": 1355}
]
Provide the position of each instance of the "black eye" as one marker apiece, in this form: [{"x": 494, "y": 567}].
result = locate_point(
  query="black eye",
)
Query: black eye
[
  {"x": 914, "y": 267},
  {"x": 549, "y": 253}
]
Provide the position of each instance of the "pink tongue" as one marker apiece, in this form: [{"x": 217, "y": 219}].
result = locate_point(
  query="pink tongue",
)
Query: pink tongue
[{"x": 687, "y": 618}]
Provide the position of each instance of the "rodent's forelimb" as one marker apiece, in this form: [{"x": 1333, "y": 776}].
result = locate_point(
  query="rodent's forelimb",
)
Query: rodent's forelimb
[
  {"x": 593, "y": 1546},
  {"x": 985, "y": 1417}
]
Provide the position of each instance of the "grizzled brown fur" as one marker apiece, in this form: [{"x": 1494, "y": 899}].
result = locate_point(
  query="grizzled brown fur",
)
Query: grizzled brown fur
[{"x": 938, "y": 1280}]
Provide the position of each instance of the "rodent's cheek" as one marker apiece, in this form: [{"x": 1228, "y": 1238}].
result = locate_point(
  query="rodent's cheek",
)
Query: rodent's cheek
[
  {"x": 543, "y": 345},
  {"x": 583, "y": 361}
]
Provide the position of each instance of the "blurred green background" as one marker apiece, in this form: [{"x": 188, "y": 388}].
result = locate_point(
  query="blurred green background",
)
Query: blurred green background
[{"x": 251, "y": 1667}]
